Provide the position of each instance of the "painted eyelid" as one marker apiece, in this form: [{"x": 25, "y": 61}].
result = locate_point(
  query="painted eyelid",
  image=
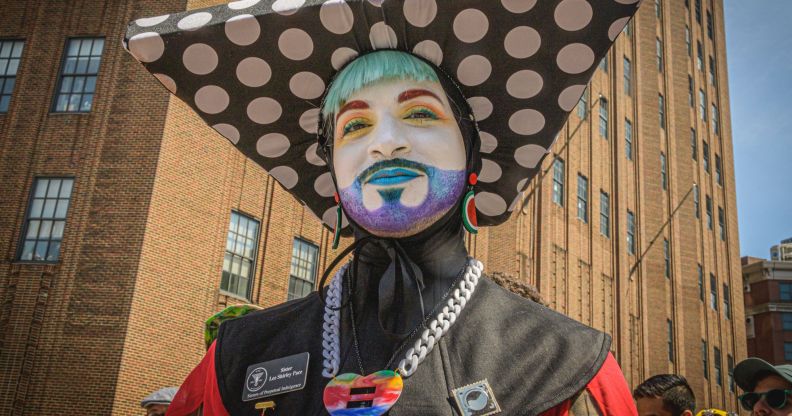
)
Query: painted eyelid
[{"x": 422, "y": 107}]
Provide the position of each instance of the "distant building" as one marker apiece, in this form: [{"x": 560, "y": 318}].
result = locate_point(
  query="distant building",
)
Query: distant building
[
  {"x": 782, "y": 251},
  {"x": 768, "y": 308}
]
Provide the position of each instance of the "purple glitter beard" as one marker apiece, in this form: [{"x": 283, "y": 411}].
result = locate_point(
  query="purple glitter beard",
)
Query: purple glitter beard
[{"x": 393, "y": 219}]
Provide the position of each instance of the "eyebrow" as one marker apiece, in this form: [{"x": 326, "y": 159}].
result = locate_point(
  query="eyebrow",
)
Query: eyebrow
[
  {"x": 410, "y": 94},
  {"x": 352, "y": 105}
]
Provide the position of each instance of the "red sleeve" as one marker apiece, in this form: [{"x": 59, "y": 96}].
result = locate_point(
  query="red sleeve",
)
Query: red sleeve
[
  {"x": 199, "y": 389},
  {"x": 608, "y": 389}
]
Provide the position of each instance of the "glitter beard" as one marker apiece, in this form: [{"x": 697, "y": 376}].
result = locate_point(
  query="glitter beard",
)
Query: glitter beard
[{"x": 394, "y": 219}]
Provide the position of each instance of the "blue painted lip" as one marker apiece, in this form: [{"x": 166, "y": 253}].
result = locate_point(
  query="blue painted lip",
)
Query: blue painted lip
[{"x": 392, "y": 176}]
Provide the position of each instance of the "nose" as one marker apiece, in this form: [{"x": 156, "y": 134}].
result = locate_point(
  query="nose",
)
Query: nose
[
  {"x": 761, "y": 408},
  {"x": 389, "y": 139}
]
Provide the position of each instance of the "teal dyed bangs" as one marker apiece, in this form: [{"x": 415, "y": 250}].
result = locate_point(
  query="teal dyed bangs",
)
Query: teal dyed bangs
[{"x": 370, "y": 68}]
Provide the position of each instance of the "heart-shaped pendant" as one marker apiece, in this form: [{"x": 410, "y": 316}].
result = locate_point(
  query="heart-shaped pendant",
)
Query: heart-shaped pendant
[{"x": 371, "y": 395}]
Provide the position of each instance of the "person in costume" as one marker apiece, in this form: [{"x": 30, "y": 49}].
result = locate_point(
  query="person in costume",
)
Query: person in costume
[{"x": 404, "y": 123}]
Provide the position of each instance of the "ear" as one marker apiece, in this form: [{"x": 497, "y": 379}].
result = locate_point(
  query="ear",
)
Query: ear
[{"x": 687, "y": 413}]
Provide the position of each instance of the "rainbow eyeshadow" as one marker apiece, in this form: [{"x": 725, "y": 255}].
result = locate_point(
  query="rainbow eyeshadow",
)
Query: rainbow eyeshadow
[{"x": 372, "y": 395}]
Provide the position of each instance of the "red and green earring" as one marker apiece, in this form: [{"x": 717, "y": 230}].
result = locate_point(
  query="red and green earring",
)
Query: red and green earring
[
  {"x": 469, "y": 206},
  {"x": 337, "y": 229}
]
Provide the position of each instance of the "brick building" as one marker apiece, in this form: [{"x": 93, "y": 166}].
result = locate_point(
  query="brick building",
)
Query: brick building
[
  {"x": 126, "y": 222},
  {"x": 767, "y": 287}
]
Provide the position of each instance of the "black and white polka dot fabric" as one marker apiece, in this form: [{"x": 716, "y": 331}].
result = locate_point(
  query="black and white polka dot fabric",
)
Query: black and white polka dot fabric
[{"x": 255, "y": 70}]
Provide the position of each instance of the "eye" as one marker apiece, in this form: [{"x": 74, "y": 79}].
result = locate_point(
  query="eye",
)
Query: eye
[
  {"x": 355, "y": 125},
  {"x": 421, "y": 113}
]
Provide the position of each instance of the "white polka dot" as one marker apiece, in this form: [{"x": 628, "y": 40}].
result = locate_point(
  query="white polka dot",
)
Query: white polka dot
[
  {"x": 243, "y": 29},
  {"x": 572, "y": 15},
  {"x": 382, "y": 36},
  {"x": 488, "y": 142},
  {"x": 521, "y": 184},
  {"x": 570, "y": 97},
  {"x": 194, "y": 21},
  {"x": 329, "y": 217},
  {"x": 313, "y": 157},
  {"x": 295, "y": 44},
  {"x": 285, "y": 175},
  {"x": 522, "y": 42},
  {"x": 323, "y": 185},
  {"x": 526, "y": 121},
  {"x": 336, "y": 16},
  {"x": 167, "y": 82},
  {"x": 309, "y": 121},
  {"x": 306, "y": 85},
  {"x": 575, "y": 58},
  {"x": 151, "y": 21},
  {"x": 481, "y": 106},
  {"x": 490, "y": 171},
  {"x": 242, "y": 4},
  {"x": 211, "y": 99},
  {"x": 430, "y": 50},
  {"x": 341, "y": 56},
  {"x": 490, "y": 204},
  {"x": 474, "y": 70},
  {"x": 253, "y": 72},
  {"x": 420, "y": 12},
  {"x": 518, "y": 6},
  {"x": 617, "y": 27},
  {"x": 272, "y": 145},
  {"x": 146, "y": 47},
  {"x": 529, "y": 155},
  {"x": 200, "y": 59},
  {"x": 264, "y": 110},
  {"x": 228, "y": 131},
  {"x": 470, "y": 25},
  {"x": 524, "y": 84},
  {"x": 287, "y": 7}
]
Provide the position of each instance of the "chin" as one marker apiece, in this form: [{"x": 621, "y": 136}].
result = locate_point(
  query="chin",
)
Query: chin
[{"x": 390, "y": 229}]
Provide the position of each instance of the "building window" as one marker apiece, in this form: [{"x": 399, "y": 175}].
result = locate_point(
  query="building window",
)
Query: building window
[
  {"x": 658, "y": 10},
  {"x": 717, "y": 362},
  {"x": 558, "y": 182},
  {"x": 663, "y": 171},
  {"x": 786, "y": 320},
  {"x": 706, "y": 153},
  {"x": 698, "y": 11},
  {"x": 712, "y": 70},
  {"x": 659, "y": 48},
  {"x": 713, "y": 292},
  {"x": 691, "y": 100},
  {"x": 46, "y": 219},
  {"x": 628, "y": 29},
  {"x": 705, "y": 358},
  {"x": 722, "y": 223},
  {"x": 661, "y": 110},
  {"x": 701, "y": 282},
  {"x": 726, "y": 301},
  {"x": 709, "y": 212},
  {"x": 240, "y": 256},
  {"x": 630, "y": 233},
  {"x": 78, "y": 75},
  {"x": 582, "y": 198},
  {"x": 718, "y": 177},
  {"x": 696, "y": 201},
  {"x": 687, "y": 41},
  {"x": 10, "y": 55},
  {"x": 303, "y": 268},
  {"x": 703, "y": 105},
  {"x": 693, "y": 144},
  {"x": 582, "y": 107},
  {"x": 667, "y": 257},
  {"x": 788, "y": 351},
  {"x": 670, "y": 340},
  {"x": 709, "y": 24},
  {"x": 604, "y": 214},
  {"x": 627, "y": 77},
  {"x": 603, "y": 116},
  {"x": 785, "y": 290},
  {"x": 730, "y": 363},
  {"x": 628, "y": 139},
  {"x": 699, "y": 56},
  {"x": 715, "y": 120},
  {"x": 604, "y": 64}
]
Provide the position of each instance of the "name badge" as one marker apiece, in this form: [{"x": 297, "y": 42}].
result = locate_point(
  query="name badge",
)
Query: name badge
[{"x": 279, "y": 376}]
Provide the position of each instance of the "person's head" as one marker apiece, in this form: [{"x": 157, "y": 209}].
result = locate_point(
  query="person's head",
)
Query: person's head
[
  {"x": 399, "y": 157},
  {"x": 665, "y": 395},
  {"x": 156, "y": 403},
  {"x": 767, "y": 387}
]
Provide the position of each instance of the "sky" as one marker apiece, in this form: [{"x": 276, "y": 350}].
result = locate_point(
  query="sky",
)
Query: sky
[{"x": 759, "y": 53}]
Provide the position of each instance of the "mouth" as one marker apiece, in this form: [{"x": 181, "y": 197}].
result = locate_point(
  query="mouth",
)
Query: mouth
[{"x": 392, "y": 176}]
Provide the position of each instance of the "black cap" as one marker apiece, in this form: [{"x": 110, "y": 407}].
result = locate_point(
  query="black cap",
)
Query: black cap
[{"x": 746, "y": 372}]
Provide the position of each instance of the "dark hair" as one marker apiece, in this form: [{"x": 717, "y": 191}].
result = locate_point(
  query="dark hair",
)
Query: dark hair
[{"x": 673, "y": 389}]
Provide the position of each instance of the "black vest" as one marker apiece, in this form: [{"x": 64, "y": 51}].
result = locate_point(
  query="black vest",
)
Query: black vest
[{"x": 533, "y": 357}]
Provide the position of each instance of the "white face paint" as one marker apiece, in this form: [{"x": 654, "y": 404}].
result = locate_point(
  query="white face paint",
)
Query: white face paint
[{"x": 398, "y": 156}]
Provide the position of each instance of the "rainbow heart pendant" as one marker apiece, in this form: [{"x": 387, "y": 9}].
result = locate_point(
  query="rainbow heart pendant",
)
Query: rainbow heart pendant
[{"x": 372, "y": 395}]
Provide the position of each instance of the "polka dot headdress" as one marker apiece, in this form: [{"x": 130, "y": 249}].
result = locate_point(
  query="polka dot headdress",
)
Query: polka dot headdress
[{"x": 256, "y": 70}]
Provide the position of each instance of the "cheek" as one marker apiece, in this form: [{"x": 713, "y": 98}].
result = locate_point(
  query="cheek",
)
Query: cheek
[
  {"x": 441, "y": 148},
  {"x": 348, "y": 161}
]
